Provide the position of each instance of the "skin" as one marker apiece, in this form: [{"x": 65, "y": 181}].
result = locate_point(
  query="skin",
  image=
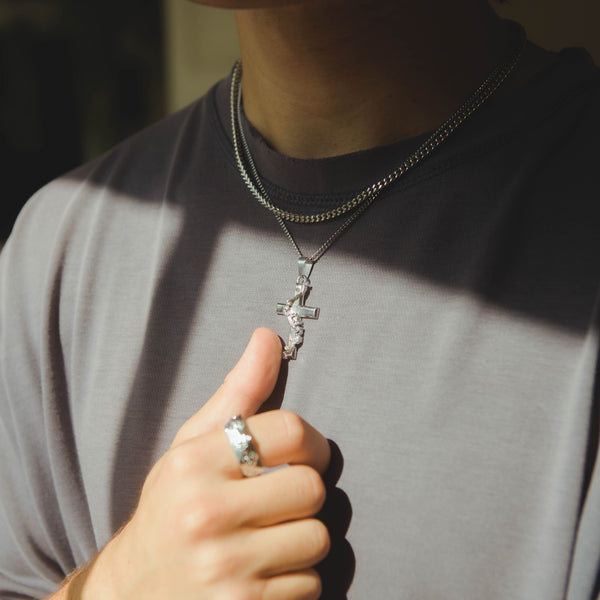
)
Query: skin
[
  {"x": 321, "y": 78},
  {"x": 330, "y": 77},
  {"x": 201, "y": 530}
]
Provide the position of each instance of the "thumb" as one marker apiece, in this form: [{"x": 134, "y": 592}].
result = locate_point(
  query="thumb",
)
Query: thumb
[{"x": 244, "y": 390}]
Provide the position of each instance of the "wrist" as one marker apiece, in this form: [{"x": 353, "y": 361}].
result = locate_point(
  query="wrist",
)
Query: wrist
[{"x": 102, "y": 578}]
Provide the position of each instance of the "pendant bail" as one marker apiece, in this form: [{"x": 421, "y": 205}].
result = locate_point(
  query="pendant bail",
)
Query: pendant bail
[{"x": 305, "y": 266}]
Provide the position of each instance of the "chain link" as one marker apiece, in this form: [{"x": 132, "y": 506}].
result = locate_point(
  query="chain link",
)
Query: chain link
[{"x": 365, "y": 198}]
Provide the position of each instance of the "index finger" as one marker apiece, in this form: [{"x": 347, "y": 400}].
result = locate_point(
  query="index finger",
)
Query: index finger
[
  {"x": 283, "y": 437},
  {"x": 280, "y": 437}
]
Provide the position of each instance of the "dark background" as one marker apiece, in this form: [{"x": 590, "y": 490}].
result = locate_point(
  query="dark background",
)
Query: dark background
[{"x": 75, "y": 77}]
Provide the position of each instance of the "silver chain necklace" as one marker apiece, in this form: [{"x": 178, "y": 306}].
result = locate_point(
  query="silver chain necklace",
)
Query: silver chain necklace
[{"x": 295, "y": 309}]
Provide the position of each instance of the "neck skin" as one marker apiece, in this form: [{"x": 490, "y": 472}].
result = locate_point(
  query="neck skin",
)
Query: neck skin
[{"x": 325, "y": 78}]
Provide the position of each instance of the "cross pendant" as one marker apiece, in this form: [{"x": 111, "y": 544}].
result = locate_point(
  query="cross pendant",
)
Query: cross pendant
[{"x": 295, "y": 310}]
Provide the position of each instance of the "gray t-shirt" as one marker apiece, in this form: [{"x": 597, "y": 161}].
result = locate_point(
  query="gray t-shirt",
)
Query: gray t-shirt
[{"x": 454, "y": 362}]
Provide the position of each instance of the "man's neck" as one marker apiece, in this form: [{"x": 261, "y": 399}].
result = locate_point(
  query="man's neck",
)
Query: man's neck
[{"x": 328, "y": 78}]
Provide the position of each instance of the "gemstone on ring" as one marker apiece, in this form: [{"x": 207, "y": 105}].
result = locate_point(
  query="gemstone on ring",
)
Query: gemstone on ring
[{"x": 242, "y": 444}]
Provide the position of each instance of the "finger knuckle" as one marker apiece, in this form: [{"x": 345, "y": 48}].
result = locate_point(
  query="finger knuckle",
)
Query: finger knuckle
[
  {"x": 305, "y": 585},
  {"x": 313, "y": 586},
  {"x": 319, "y": 539},
  {"x": 178, "y": 461},
  {"x": 294, "y": 428},
  {"x": 204, "y": 517},
  {"x": 216, "y": 564},
  {"x": 311, "y": 488}
]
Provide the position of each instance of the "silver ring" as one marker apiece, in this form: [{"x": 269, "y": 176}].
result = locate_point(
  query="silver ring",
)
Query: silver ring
[{"x": 241, "y": 441}]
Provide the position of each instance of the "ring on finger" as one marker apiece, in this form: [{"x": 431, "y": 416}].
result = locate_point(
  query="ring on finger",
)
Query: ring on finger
[{"x": 243, "y": 446}]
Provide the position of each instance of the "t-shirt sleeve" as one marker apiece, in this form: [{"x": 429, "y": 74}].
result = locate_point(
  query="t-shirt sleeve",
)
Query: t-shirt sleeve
[
  {"x": 35, "y": 552},
  {"x": 60, "y": 255}
]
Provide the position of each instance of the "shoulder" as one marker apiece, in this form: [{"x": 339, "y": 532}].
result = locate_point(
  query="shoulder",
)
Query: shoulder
[
  {"x": 136, "y": 177},
  {"x": 111, "y": 207}
]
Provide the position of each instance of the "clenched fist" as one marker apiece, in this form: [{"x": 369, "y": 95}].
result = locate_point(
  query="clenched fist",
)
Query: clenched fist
[{"x": 203, "y": 531}]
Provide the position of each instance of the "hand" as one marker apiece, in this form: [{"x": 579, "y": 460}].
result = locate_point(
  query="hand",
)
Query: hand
[{"x": 201, "y": 530}]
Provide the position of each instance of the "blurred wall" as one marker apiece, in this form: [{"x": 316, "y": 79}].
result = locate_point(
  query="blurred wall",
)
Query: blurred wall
[
  {"x": 75, "y": 78},
  {"x": 201, "y": 48},
  {"x": 555, "y": 24},
  {"x": 202, "y": 45}
]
